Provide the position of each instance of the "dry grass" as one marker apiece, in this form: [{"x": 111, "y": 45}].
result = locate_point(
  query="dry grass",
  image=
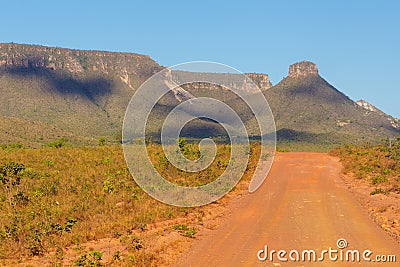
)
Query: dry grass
[
  {"x": 54, "y": 198},
  {"x": 377, "y": 163},
  {"x": 191, "y": 151}
]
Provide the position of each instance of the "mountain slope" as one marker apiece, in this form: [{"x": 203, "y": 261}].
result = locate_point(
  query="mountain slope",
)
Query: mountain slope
[
  {"x": 35, "y": 134},
  {"x": 307, "y": 108},
  {"x": 82, "y": 92},
  {"x": 85, "y": 94}
]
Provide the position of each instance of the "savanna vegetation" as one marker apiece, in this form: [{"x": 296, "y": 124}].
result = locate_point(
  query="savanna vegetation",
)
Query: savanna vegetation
[
  {"x": 59, "y": 196},
  {"x": 379, "y": 164}
]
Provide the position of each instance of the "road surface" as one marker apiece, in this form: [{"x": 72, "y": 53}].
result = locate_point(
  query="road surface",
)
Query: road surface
[{"x": 302, "y": 205}]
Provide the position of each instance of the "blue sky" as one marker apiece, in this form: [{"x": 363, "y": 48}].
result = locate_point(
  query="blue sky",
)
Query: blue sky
[{"x": 354, "y": 43}]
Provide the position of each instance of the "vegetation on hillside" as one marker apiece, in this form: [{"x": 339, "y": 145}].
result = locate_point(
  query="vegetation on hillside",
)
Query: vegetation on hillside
[
  {"x": 309, "y": 109},
  {"x": 35, "y": 134},
  {"x": 85, "y": 94},
  {"x": 379, "y": 164}
]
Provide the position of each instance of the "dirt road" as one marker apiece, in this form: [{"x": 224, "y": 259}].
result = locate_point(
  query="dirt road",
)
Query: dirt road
[{"x": 303, "y": 205}]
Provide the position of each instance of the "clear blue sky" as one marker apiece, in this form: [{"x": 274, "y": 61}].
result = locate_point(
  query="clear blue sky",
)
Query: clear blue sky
[{"x": 356, "y": 44}]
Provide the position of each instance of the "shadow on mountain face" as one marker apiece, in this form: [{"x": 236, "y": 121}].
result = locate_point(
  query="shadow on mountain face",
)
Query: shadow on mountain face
[
  {"x": 300, "y": 136},
  {"x": 292, "y": 135},
  {"x": 203, "y": 128},
  {"x": 313, "y": 87},
  {"x": 65, "y": 83}
]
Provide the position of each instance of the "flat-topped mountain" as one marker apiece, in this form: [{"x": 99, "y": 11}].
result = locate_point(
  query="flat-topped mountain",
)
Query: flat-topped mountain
[
  {"x": 73, "y": 61},
  {"x": 81, "y": 92},
  {"x": 302, "y": 69},
  {"x": 85, "y": 94},
  {"x": 306, "y": 108}
]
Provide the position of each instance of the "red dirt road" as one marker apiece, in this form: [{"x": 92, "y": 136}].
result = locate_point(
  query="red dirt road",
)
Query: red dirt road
[{"x": 302, "y": 205}]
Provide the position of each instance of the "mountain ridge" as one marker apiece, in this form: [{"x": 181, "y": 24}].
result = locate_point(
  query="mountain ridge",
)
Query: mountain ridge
[
  {"x": 86, "y": 92},
  {"x": 313, "y": 106}
]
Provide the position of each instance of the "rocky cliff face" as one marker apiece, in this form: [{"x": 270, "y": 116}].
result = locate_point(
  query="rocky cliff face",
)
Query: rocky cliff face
[
  {"x": 369, "y": 108},
  {"x": 261, "y": 80},
  {"x": 66, "y": 87},
  {"x": 86, "y": 93},
  {"x": 302, "y": 69},
  {"x": 230, "y": 80},
  {"x": 81, "y": 62},
  {"x": 76, "y": 62},
  {"x": 69, "y": 86}
]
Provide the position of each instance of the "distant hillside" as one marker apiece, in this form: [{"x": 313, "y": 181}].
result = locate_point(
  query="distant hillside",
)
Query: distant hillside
[
  {"x": 307, "y": 108},
  {"x": 49, "y": 92},
  {"x": 368, "y": 109},
  {"x": 16, "y": 131},
  {"x": 82, "y": 92}
]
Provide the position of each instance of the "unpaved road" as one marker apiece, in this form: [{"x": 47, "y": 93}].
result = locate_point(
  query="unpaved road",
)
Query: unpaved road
[{"x": 302, "y": 205}]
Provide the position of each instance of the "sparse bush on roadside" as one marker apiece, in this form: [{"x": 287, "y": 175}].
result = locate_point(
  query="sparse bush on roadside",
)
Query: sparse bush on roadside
[
  {"x": 190, "y": 232},
  {"x": 136, "y": 243},
  {"x": 379, "y": 191},
  {"x": 92, "y": 258},
  {"x": 180, "y": 227},
  {"x": 185, "y": 230},
  {"x": 377, "y": 163},
  {"x": 378, "y": 180}
]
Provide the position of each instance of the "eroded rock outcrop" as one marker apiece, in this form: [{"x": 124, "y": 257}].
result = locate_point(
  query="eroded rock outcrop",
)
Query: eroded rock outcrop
[
  {"x": 76, "y": 62},
  {"x": 261, "y": 80},
  {"x": 302, "y": 69}
]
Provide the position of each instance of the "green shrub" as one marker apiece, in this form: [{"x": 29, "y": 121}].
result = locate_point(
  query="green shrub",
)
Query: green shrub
[
  {"x": 180, "y": 227},
  {"x": 378, "y": 180},
  {"x": 11, "y": 146},
  {"x": 379, "y": 191},
  {"x": 190, "y": 233},
  {"x": 10, "y": 178},
  {"x": 185, "y": 230},
  {"x": 102, "y": 141},
  {"x": 93, "y": 258},
  {"x": 58, "y": 143}
]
